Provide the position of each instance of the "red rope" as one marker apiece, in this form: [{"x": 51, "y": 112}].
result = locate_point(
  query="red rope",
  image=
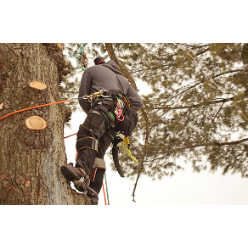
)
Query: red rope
[{"x": 70, "y": 135}]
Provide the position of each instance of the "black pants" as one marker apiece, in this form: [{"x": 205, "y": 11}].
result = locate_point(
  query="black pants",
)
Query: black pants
[{"x": 98, "y": 126}]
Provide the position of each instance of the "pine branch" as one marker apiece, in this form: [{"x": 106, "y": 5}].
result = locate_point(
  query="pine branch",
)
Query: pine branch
[
  {"x": 219, "y": 144},
  {"x": 194, "y": 105}
]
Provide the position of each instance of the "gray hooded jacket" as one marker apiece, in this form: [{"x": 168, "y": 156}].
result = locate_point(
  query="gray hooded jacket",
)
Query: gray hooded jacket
[{"x": 107, "y": 76}]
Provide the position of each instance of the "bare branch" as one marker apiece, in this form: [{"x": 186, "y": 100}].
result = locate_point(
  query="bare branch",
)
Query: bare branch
[
  {"x": 214, "y": 143},
  {"x": 125, "y": 73},
  {"x": 194, "y": 105}
]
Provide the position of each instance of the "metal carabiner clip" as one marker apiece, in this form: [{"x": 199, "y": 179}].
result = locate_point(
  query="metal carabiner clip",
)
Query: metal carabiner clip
[{"x": 120, "y": 116}]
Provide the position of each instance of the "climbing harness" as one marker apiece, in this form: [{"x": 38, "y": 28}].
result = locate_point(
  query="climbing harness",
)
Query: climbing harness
[
  {"x": 119, "y": 101},
  {"x": 93, "y": 96},
  {"x": 82, "y": 58},
  {"x": 118, "y": 98}
]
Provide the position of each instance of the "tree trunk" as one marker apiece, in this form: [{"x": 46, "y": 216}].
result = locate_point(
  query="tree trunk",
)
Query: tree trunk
[{"x": 30, "y": 160}]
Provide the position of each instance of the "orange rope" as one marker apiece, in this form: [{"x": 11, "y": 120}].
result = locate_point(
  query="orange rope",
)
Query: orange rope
[
  {"x": 70, "y": 135},
  {"x": 39, "y": 106},
  {"x": 104, "y": 194}
]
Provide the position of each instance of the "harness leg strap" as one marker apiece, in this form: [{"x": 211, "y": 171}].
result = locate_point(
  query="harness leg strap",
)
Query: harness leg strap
[{"x": 86, "y": 142}]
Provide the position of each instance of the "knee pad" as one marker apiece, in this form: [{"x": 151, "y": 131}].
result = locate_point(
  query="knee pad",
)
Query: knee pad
[{"x": 87, "y": 142}]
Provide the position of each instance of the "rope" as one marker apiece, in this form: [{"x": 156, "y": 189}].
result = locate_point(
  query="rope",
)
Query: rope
[
  {"x": 214, "y": 82},
  {"x": 82, "y": 48},
  {"x": 39, "y": 106},
  {"x": 104, "y": 194},
  {"x": 105, "y": 177},
  {"x": 70, "y": 135},
  {"x": 81, "y": 53}
]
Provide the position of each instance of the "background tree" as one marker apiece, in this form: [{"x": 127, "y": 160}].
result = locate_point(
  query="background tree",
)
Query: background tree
[
  {"x": 196, "y": 112},
  {"x": 30, "y": 160},
  {"x": 190, "y": 116}
]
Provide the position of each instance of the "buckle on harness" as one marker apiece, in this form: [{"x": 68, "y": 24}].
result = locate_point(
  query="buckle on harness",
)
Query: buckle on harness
[{"x": 95, "y": 95}]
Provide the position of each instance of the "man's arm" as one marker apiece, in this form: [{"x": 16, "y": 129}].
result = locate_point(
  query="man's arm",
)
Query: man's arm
[
  {"x": 134, "y": 98},
  {"x": 85, "y": 91}
]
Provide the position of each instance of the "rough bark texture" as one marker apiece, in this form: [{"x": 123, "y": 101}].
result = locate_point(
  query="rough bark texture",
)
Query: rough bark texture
[{"x": 30, "y": 160}]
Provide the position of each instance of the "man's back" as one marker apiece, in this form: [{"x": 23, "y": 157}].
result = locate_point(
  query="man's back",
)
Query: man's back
[{"x": 107, "y": 76}]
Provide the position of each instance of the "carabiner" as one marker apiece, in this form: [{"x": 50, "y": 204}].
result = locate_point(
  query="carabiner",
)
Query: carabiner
[{"x": 120, "y": 116}]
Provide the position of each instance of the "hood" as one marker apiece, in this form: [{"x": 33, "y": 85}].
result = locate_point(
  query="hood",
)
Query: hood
[{"x": 112, "y": 66}]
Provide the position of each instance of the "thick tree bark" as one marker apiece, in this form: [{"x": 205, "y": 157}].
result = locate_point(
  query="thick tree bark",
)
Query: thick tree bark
[{"x": 30, "y": 160}]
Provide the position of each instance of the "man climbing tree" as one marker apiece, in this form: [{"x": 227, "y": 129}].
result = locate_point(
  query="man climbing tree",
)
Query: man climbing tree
[
  {"x": 107, "y": 98},
  {"x": 30, "y": 160},
  {"x": 191, "y": 118}
]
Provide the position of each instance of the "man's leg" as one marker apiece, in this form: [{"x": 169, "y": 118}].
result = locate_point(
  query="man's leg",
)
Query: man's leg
[
  {"x": 88, "y": 137},
  {"x": 98, "y": 170}
]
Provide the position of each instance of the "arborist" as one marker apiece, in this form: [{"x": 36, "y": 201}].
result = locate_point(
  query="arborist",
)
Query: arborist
[{"x": 111, "y": 105}]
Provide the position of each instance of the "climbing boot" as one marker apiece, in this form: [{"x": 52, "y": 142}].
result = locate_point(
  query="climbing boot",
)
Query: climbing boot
[
  {"x": 78, "y": 177},
  {"x": 93, "y": 197}
]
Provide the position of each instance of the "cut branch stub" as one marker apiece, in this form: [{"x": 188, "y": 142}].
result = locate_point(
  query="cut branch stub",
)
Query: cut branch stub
[
  {"x": 59, "y": 45},
  {"x": 35, "y": 123},
  {"x": 38, "y": 85}
]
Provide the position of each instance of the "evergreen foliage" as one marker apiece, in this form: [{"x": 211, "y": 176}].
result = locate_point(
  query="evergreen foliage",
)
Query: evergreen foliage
[{"x": 189, "y": 117}]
